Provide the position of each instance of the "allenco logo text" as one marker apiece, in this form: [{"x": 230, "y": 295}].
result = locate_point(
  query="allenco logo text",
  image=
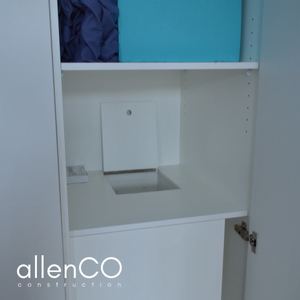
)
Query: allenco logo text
[{"x": 55, "y": 271}]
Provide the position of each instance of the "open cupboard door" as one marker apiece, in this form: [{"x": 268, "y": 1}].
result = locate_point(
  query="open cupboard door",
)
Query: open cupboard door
[{"x": 273, "y": 273}]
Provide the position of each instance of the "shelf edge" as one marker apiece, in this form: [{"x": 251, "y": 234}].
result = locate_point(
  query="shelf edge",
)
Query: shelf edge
[
  {"x": 159, "y": 66},
  {"x": 153, "y": 224}
]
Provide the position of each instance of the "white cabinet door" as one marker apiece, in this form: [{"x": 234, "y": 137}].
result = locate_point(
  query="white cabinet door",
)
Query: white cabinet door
[
  {"x": 30, "y": 218},
  {"x": 167, "y": 263},
  {"x": 274, "y": 272}
]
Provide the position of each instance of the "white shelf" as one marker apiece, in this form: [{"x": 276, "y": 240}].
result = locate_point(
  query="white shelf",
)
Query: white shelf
[
  {"x": 159, "y": 66},
  {"x": 94, "y": 207}
]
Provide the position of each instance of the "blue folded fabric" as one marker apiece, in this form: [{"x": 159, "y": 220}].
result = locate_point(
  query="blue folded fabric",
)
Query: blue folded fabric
[
  {"x": 179, "y": 30},
  {"x": 88, "y": 30}
]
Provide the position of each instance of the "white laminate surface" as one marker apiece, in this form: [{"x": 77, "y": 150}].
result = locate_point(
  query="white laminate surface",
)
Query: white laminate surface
[
  {"x": 159, "y": 66},
  {"x": 95, "y": 208}
]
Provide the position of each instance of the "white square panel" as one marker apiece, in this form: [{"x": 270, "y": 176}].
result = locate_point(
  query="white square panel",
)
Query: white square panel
[{"x": 129, "y": 138}]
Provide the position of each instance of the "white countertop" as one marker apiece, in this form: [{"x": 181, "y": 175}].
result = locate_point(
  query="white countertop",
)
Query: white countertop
[{"x": 95, "y": 208}]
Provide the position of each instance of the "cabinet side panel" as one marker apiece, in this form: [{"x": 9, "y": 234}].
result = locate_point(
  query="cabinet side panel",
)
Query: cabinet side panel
[
  {"x": 60, "y": 132},
  {"x": 218, "y": 111},
  {"x": 174, "y": 262},
  {"x": 30, "y": 219},
  {"x": 251, "y": 30}
]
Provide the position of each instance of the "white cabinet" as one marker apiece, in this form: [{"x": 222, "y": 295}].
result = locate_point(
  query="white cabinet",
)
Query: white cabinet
[
  {"x": 206, "y": 116},
  {"x": 206, "y": 132},
  {"x": 206, "y": 124},
  {"x": 169, "y": 262}
]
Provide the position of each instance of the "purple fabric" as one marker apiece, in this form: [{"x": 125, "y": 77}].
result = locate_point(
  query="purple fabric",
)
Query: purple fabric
[{"x": 88, "y": 30}]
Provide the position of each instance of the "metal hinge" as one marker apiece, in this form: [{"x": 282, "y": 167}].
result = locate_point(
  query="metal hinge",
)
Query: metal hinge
[{"x": 244, "y": 234}]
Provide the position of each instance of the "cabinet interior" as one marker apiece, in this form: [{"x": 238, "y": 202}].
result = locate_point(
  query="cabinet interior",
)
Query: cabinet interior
[
  {"x": 205, "y": 119},
  {"x": 205, "y": 128},
  {"x": 205, "y": 123}
]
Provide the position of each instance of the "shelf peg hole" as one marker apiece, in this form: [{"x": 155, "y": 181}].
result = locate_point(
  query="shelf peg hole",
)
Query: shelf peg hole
[{"x": 128, "y": 112}]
